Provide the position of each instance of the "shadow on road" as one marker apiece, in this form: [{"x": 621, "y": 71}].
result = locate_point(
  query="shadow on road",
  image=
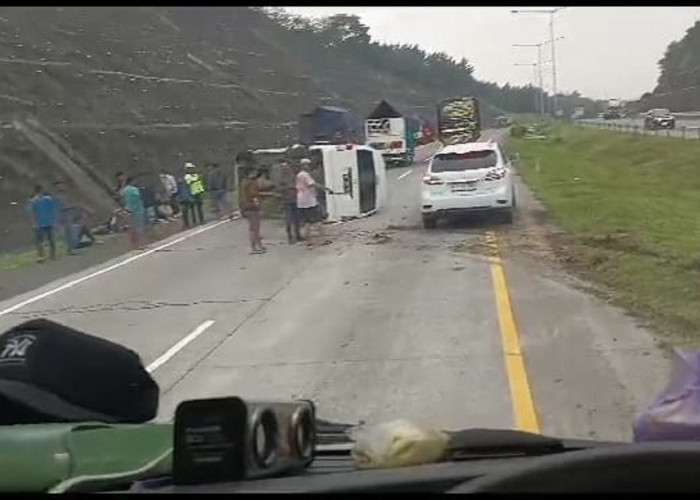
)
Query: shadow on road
[{"x": 473, "y": 222}]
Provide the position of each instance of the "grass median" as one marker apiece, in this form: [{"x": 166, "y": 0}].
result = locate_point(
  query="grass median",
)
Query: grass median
[{"x": 630, "y": 210}]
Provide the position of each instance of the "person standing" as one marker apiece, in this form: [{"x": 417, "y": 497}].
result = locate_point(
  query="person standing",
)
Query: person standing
[
  {"x": 307, "y": 200},
  {"x": 196, "y": 184},
  {"x": 148, "y": 196},
  {"x": 217, "y": 183},
  {"x": 170, "y": 190},
  {"x": 30, "y": 205},
  {"x": 251, "y": 208},
  {"x": 185, "y": 200},
  {"x": 66, "y": 218},
  {"x": 289, "y": 199},
  {"x": 133, "y": 203},
  {"x": 43, "y": 210}
]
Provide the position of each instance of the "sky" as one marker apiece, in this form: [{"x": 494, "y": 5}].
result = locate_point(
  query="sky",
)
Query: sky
[{"x": 605, "y": 52}]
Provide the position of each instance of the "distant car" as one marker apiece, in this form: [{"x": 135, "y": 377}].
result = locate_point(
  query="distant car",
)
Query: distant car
[
  {"x": 502, "y": 122},
  {"x": 464, "y": 178},
  {"x": 659, "y": 119}
]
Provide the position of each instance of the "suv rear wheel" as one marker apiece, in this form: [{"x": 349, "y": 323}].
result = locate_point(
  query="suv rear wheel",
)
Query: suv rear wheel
[
  {"x": 507, "y": 216},
  {"x": 429, "y": 222}
]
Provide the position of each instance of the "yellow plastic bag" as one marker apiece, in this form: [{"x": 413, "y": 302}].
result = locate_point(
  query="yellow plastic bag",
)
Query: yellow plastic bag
[{"x": 399, "y": 443}]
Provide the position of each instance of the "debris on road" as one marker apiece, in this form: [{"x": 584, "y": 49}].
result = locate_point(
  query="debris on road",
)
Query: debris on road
[{"x": 379, "y": 238}]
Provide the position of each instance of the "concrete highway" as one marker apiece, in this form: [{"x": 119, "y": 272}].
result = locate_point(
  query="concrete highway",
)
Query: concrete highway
[{"x": 388, "y": 320}]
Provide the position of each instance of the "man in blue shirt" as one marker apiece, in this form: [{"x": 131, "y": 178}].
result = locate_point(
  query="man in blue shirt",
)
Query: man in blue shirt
[{"x": 43, "y": 210}]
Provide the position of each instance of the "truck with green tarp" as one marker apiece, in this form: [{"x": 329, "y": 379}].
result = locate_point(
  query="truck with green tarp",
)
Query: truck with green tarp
[{"x": 458, "y": 120}]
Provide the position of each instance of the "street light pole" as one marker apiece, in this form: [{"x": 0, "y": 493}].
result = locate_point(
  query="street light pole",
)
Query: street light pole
[
  {"x": 534, "y": 79},
  {"x": 540, "y": 83},
  {"x": 554, "y": 61},
  {"x": 552, "y": 40}
]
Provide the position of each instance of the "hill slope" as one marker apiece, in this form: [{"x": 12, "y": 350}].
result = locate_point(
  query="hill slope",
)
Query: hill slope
[{"x": 88, "y": 91}]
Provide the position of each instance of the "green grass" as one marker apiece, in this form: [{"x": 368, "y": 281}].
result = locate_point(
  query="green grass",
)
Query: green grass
[
  {"x": 630, "y": 208},
  {"x": 28, "y": 257},
  {"x": 18, "y": 260}
]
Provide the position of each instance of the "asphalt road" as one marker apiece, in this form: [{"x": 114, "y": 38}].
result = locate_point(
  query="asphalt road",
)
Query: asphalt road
[{"x": 387, "y": 321}]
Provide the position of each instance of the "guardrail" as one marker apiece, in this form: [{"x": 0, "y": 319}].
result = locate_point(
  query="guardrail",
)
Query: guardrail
[
  {"x": 688, "y": 115},
  {"x": 681, "y": 132}
]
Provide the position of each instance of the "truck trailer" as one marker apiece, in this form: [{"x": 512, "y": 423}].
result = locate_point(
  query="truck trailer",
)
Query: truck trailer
[
  {"x": 392, "y": 134},
  {"x": 458, "y": 120}
]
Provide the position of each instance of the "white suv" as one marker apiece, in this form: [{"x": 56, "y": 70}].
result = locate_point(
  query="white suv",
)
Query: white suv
[{"x": 470, "y": 177}]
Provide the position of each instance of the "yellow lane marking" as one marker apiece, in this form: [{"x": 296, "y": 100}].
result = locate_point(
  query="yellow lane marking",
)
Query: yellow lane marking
[{"x": 524, "y": 411}]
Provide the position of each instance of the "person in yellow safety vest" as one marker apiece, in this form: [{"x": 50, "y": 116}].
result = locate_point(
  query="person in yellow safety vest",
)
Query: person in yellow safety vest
[{"x": 196, "y": 184}]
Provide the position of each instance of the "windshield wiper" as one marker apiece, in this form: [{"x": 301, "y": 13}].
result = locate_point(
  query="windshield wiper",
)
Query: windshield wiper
[
  {"x": 480, "y": 443},
  {"x": 332, "y": 438}
]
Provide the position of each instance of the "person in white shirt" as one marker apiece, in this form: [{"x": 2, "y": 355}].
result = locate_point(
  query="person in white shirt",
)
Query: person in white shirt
[
  {"x": 170, "y": 190},
  {"x": 307, "y": 200}
]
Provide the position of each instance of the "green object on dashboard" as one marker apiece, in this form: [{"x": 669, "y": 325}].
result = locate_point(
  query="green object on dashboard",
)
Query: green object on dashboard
[{"x": 40, "y": 457}]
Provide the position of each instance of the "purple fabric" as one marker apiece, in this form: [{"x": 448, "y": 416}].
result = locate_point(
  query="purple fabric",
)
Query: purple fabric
[{"x": 674, "y": 415}]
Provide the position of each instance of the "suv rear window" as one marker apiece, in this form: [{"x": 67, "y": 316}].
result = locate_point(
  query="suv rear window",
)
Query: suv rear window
[{"x": 456, "y": 162}]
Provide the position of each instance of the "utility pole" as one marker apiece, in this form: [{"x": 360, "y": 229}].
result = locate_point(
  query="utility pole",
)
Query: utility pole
[
  {"x": 540, "y": 83},
  {"x": 552, "y": 40},
  {"x": 538, "y": 95}
]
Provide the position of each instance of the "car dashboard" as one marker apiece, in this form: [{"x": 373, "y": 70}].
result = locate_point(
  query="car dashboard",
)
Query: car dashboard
[{"x": 337, "y": 473}]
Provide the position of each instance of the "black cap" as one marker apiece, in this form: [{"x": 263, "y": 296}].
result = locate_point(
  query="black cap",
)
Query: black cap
[{"x": 69, "y": 376}]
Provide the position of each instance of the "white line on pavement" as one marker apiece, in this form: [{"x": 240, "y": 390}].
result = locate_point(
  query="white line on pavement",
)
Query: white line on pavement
[
  {"x": 405, "y": 174},
  {"x": 100, "y": 272},
  {"x": 179, "y": 346}
]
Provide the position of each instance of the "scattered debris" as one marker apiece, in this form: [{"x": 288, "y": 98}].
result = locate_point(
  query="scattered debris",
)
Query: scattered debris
[{"x": 379, "y": 238}]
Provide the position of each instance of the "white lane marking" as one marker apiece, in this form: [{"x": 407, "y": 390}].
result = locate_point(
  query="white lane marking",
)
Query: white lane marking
[
  {"x": 100, "y": 272},
  {"x": 405, "y": 174},
  {"x": 179, "y": 346}
]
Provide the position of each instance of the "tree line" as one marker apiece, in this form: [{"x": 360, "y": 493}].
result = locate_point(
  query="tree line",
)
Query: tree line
[
  {"x": 678, "y": 84},
  {"x": 343, "y": 39}
]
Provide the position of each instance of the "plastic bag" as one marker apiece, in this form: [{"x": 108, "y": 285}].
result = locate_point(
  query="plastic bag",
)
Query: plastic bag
[
  {"x": 675, "y": 413},
  {"x": 397, "y": 444}
]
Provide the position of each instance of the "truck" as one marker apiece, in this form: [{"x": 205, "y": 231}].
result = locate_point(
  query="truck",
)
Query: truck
[
  {"x": 392, "y": 134},
  {"x": 327, "y": 125},
  {"x": 614, "y": 109},
  {"x": 458, "y": 120}
]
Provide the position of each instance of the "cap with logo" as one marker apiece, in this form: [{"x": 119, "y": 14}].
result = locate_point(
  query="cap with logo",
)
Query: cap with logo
[{"x": 69, "y": 376}]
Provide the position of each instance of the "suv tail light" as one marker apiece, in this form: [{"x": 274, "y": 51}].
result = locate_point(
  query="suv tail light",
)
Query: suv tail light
[
  {"x": 432, "y": 180},
  {"x": 396, "y": 145},
  {"x": 495, "y": 174}
]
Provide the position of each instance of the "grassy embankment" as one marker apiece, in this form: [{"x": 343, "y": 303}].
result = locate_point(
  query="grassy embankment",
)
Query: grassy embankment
[{"x": 630, "y": 208}]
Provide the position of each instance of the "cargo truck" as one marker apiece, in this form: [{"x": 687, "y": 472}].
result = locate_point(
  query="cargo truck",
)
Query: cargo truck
[
  {"x": 327, "y": 125},
  {"x": 395, "y": 136},
  {"x": 458, "y": 120}
]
